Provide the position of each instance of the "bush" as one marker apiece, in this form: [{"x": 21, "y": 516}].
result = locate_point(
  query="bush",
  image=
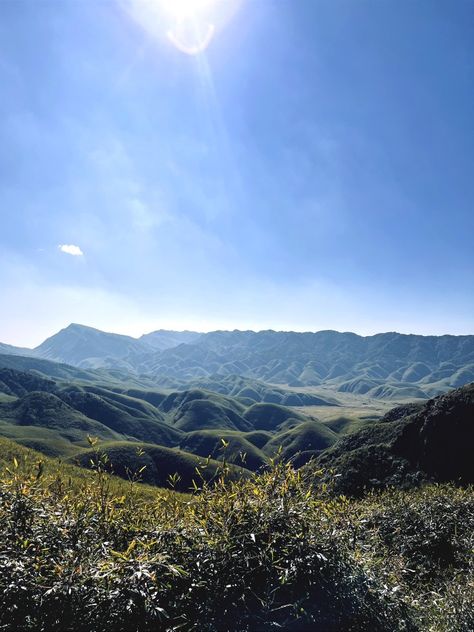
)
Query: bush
[
  {"x": 421, "y": 543},
  {"x": 271, "y": 552}
]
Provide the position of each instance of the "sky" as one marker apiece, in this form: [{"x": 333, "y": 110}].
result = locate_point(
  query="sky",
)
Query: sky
[{"x": 250, "y": 164}]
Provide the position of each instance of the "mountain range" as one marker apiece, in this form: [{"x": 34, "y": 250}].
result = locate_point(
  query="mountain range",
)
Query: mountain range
[
  {"x": 170, "y": 399},
  {"x": 386, "y": 365}
]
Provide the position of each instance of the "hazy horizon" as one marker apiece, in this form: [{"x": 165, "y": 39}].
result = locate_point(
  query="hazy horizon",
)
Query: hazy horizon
[
  {"x": 299, "y": 166},
  {"x": 242, "y": 329}
]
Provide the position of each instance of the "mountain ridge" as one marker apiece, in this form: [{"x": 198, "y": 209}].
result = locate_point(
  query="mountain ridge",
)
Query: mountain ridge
[{"x": 383, "y": 365}]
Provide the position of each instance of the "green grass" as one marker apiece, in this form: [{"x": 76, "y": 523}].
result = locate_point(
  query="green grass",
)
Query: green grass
[
  {"x": 271, "y": 416},
  {"x": 343, "y": 424},
  {"x": 47, "y": 441},
  {"x": 309, "y": 436},
  {"x": 57, "y": 421},
  {"x": 46, "y": 410},
  {"x": 258, "y": 438},
  {"x": 206, "y": 414},
  {"x": 238, "y": 449},
  {"x": 156, "y": 464},
  {"x": 250, "y": 391}
]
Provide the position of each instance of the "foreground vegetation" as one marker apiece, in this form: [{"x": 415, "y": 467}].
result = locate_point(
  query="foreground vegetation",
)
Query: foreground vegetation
[{"x": 84, "y": 551}]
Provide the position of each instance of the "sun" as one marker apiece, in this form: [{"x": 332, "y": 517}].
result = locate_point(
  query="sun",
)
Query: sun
[
  {"x": 187, "y": 9},
  {"x": 190, "y": 25}
]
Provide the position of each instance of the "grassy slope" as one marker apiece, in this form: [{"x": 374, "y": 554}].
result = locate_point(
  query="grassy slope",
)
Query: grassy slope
[
  {"x": 46, "y": 410},
  {"x": 239, "y": 449},
  {"x": 308, "y": 436},
  {"x": 72, "y": 476},
  {"x": 271, "y": 416},
  {"x": 156, "y": 464}
]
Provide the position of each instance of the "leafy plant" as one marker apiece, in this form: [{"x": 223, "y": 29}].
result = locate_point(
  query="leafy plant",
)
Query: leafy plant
[{"x": 84, "y": 551}]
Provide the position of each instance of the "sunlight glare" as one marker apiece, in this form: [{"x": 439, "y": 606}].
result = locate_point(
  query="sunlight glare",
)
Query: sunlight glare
[
  {"x": 190, "y": 25},
  {"x": 187, "y": 9},
  {"x": 193, "y": 27}
]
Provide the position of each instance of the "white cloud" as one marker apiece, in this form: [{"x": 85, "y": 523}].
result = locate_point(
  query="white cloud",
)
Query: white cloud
[{"x": 71, "y": 249}]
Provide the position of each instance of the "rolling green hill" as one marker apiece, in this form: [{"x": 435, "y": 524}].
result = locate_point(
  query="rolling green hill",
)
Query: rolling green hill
[
  {"x": 18, "y": 383},
  {"x": 53, "y": 407},
  {"x": 60, "y": 470},
  {"x": 252, "y": 390},
  {"x": 46, "y": 410},
  {"x": 310, "y": 437},
  {"x": 47, "y": 368},
  {"x": 157, "y": 464},
  {"x": 56, "y": 417},
  {"x": 237, "y": 449},
  {"x": 272, "y": 416}
]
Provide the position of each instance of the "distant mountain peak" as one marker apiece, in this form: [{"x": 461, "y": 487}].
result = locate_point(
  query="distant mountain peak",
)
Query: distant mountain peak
[
  {"x": 386, "y": 365},
  {"x": 73, "y": 326}
]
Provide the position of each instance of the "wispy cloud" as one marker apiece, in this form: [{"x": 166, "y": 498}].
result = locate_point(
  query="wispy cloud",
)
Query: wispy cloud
[{"x": 71, "y": 249}]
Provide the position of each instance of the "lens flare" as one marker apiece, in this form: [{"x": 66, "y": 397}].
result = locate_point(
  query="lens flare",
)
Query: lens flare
[
  {"x": 192, "y": 28},
  {"x": 190, "y": 25},
  {"x": 187, "y": 9},
  {"x": 191, "y": 38}
]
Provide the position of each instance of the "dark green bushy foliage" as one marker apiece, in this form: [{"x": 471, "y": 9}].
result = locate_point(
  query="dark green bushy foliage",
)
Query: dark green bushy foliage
[
  {"x": 264, "y": 553},
  {"x": 425, "y": 541}
]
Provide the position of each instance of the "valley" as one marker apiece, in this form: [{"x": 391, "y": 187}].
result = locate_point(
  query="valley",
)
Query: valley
[
  {"x": 263, "y": 472},
  {"x": 176, "y": 398}
]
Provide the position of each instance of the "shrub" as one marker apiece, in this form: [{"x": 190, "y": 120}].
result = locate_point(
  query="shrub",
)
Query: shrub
[{"x": 275, "y": 551}]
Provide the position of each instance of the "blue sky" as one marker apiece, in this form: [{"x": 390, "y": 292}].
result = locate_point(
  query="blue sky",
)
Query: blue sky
[{"x": 310, "y": 169}]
